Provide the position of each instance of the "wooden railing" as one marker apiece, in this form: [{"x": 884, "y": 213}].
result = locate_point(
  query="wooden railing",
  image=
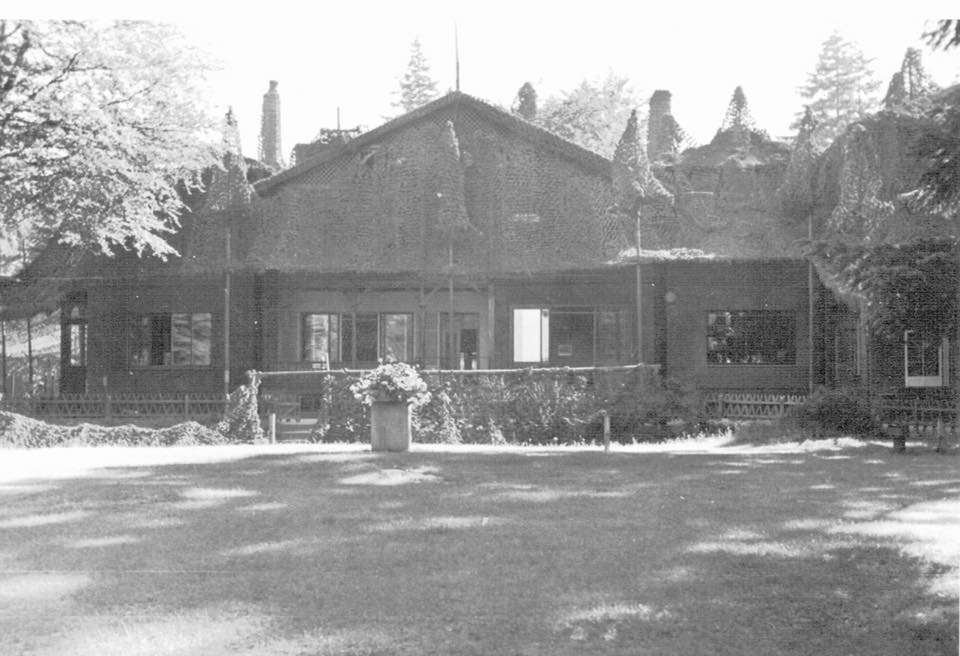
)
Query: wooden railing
[
  {"x": 118, "y": 406},
  {"x": 749, "y": 405}
]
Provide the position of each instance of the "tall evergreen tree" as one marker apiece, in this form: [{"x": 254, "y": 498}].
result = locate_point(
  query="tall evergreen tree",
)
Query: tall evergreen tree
[
  {"x": 796, "y": 192},
  {"x": 417, "y": 87},
  {"x": 633, "y": 181},
  {"x": 526, "y": 103},
  {"x": 910, "y": 87},
  {"x": 840, "y": 90},
  {"x": 738, "y": 115}
]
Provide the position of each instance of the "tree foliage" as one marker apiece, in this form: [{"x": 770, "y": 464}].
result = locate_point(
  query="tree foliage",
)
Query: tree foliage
[
  {"x": 738, "y": 116},
  {"x": 526, "y": 103},
  {"x": 796, "y": 193},
  {"x": 903, "y": 286},
  {"x": 633, "y": 181},
  {"x": 417, "y": 87},
  {"x": 100, "y": 125},
  {"x": 840, "y": 89},
  {"x": 945, "y": 35},
  {"x": 591, "y": 114},
  {"x": 910, "y": 87}
]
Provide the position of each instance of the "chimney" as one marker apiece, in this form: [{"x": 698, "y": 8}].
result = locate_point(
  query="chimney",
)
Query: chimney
[
  {"x": 270, "y": 128},
  {"x": 658, "y": 129}
]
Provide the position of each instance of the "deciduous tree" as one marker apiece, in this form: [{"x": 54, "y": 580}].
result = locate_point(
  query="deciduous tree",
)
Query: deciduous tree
[
  {"x": 100, "y": 126},
  {"x": 591, "y": 114}
]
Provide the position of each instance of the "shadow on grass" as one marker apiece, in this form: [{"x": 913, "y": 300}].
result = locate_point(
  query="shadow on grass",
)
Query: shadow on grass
[{"x": 486, "y": 553}]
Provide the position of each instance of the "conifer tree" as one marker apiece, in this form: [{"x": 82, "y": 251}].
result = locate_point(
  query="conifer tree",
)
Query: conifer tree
[
  {"x": 738, "y": 115},
  {"x": 909, "y": 87},
  {"x": 526, "y": 103},
  {"x": 840, "y": 90},
  {"x": 796, "y": 192},
  {"x": 633, "y": 181},
  {"x": 417, "y": 87}
]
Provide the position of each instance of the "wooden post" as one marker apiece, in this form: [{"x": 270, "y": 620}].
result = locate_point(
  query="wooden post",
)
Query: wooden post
[
  {"x": 606, "y": 431},
  {"x": 186, "y": 406},
  {"x": 30, "y": 354},
  {"x": 3, "y": 355},
  {"x": 810, "y": 317},
  {"x": 272, "y": 427},
  {"x": 451, "y": 359},
  {"x": 226, "y": 314},
  {"x": 639, "y": 289},
  {"x": 108, "y": 407}
]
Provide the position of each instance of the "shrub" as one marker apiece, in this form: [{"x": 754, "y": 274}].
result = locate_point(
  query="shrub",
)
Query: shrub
[
  {"x": 24, "y": 432},
  {"x": 241, "y": 420},
  {"x": 830, "y": 413}
]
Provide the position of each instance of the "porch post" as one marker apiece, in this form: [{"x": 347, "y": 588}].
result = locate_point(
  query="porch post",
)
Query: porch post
[
  {"x": 226, "y": 314},
  {"x": 639, "y": 289},
  {"x": 810, "y": 309}
]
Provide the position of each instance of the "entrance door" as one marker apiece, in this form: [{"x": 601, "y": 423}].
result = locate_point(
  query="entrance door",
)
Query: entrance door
[{"x": 73, "y": 347}]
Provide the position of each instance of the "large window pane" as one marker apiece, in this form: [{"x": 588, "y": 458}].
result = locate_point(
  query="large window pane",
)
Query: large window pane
[
  {"x": 466, "y": 339},
  {"x": 172, "y": 339},
  {"x": 78, "y": 344},
  {"x": 531, "y": 335},
  {"x": 366, "y": 337},
  {"x": 923, "y": 361},
  {"x": 202, "y": 325},
  {"x": 751, "y": 337},
  {"x": 571, "y": 337},
  {"x": 397, "y": 337},
  {"x": 321, "y": 338},
  {"x": 613, "y": 337},
  {"x": 182, "y": 339}
]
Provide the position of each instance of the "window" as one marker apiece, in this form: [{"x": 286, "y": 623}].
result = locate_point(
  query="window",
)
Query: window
[
  {"x": 924, "y": 361},
  {"x": 531, "y": 335},
  {"x": 396, "y": 332},
  {"x": 362, "y": 338},
  {"x": 162, "y": 340},
  {"x": 75, "y": 325},
  {"x": 466, "y": 339},
  {"x": 572, "y": 336},
  {"x": 751, "y": 337},
  {"x": 320, "y": 334}
]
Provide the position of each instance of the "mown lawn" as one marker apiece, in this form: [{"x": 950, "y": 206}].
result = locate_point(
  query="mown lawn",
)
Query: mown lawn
[{"x": 306, "y": 550}]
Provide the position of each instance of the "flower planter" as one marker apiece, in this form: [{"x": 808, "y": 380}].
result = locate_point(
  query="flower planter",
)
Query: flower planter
[{"x": 390, "y": 426}]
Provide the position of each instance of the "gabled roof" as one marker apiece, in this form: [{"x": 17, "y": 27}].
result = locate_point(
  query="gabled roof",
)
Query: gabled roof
[{"x": 590, "y": 160}]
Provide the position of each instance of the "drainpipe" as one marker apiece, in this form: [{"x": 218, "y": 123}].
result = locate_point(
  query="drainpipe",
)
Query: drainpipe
[
  {"x": 639, "y": 288},
  {"x": 810, "y": 309},
  {"x": 226, "y": 315}
]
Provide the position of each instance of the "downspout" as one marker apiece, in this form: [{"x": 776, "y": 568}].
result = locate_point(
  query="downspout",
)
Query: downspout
[
  {"x": 639, "y": 287},
  {"x": 226, "y": 315},
  {"x": 810, "y": 309}
]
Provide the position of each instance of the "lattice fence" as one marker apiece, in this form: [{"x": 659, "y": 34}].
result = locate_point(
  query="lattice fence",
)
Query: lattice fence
[
  {"x": 114, "y": 406},
  {"x": 749, "y": 405}
]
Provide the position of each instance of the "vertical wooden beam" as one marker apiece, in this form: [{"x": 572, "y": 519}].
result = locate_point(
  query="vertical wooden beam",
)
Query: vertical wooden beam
[
  {"x": 639, "y": 289},
  {"x": 491, "y": 326},
  {"x": 451, "y": 358},
  {"x": 810, "y": 311},
  {"x": 226, "y": 314},
  {"x": 3, "y": 355},
  {"x": 30, "y": 353}
]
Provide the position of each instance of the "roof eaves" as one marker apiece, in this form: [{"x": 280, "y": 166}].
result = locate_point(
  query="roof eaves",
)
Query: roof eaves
[{"x": 595, "y": 162}]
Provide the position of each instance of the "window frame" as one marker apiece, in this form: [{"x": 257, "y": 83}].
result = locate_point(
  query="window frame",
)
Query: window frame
[
  {"x": 346, "y": 327},
  {"x": 942, "y": 378},
  {"x": 136, "y": 344},
  {"x": 791, "y": 352}
]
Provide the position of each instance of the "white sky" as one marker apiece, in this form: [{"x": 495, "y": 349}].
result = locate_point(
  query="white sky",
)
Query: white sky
[{"x": 351, "y": 55}]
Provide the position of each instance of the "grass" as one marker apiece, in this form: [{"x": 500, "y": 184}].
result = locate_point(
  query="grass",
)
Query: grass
[{"x": 689, "y": 548}]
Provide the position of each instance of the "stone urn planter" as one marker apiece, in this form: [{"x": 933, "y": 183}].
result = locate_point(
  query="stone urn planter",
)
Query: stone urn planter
[
  {"x": 390, "y": 426},
  {"x": 391, "y": 390}
]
